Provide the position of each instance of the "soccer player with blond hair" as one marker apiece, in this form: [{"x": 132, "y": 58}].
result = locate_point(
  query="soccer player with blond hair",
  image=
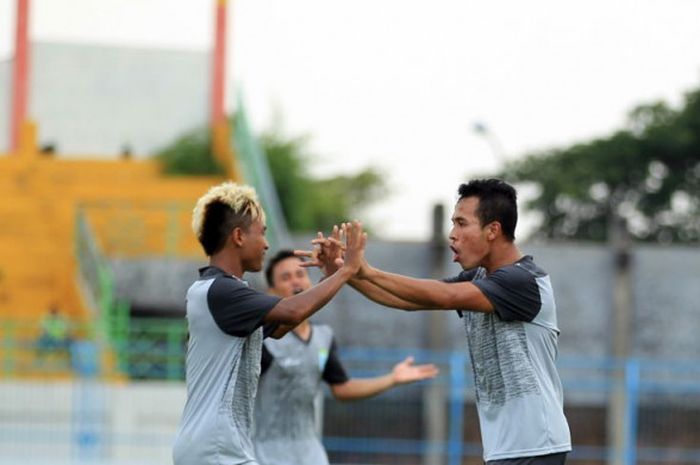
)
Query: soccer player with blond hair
[{"x": 227, "y": 321}]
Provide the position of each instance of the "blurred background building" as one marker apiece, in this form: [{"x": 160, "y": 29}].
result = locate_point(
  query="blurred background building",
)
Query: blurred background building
[{"x": 104, "y": 100}]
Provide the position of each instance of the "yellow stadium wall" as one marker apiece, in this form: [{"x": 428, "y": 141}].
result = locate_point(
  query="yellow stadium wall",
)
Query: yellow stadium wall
[{"x": 132, "y": 208}]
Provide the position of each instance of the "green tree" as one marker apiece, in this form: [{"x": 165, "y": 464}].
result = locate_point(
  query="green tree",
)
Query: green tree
[
  {"x": 311, "y": 203},
  {"x": 190, "y": 155},
  {"x": 308, "y": 203},
  {"x": 648, "y": 174}
]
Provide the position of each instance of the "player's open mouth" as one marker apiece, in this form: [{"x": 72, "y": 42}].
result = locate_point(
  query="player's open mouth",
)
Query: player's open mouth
[
  {"x": 455, "y": 253},
  {"x": 298, "y": 290}
]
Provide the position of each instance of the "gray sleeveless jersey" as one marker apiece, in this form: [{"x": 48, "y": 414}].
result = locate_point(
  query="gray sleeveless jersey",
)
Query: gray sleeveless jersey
[{"x": 285, "y": 428}]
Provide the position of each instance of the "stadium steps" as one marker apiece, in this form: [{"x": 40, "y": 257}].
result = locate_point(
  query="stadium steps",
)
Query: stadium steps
[{"x": 132, "y": 209}]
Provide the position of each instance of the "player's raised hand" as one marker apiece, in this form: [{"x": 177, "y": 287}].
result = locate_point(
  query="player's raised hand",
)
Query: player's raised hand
[
  {"x": 333, "y": 250},
  {"x": 314, "y": 256},
  {"x": 355, "y": 241},
  {"x": 407, "y": 372},
  {"x": 327, "y": 252}
]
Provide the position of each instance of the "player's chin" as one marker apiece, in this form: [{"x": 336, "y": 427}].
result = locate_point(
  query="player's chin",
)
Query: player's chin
[
  {"x": 257, "y": 266},
  {"x": 466, "y": 263}
]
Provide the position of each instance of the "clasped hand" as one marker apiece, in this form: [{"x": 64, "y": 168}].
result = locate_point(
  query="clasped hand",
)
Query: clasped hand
[{"x": 344, "y": 247}]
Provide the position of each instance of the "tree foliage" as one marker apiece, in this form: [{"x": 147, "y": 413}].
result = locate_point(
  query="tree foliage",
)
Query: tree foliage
[
  {"x": 190, "y": 154},
  {"x": 647, "y": 174},
  {"x": 308, "y": 203},
  {"x": 311, "y": 203}
]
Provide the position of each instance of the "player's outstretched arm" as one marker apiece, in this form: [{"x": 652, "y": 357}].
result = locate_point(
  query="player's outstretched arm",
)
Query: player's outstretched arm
[
  {"x": 328, "y": 255},
  {"x": 291, "y": 311},
  {"x": 382, "y": 297},
  {"x": 429, "y": 293},
  {"x": 403, "y": 373}
]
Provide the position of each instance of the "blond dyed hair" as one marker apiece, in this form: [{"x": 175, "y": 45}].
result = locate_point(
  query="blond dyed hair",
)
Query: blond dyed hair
[{"x": 241, "y": 199}]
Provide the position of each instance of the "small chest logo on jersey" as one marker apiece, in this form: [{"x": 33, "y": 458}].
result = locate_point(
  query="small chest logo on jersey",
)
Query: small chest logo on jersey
[
  {"x": 322, "y": 358},
  {"x": 289, "y": 362}
]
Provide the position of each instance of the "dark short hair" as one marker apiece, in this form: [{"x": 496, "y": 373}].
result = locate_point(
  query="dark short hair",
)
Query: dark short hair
[
  {"x": 219, "y": 221},
  {"x": 497, "y": 202},
  {"x": 274, "y": 260}
]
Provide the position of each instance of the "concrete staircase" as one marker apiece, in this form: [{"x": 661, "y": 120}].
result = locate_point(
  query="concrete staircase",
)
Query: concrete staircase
[{"x": 131, "y": 208}]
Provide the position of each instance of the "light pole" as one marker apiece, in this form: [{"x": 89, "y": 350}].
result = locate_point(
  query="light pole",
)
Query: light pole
[{"x": 481, "y": 128}]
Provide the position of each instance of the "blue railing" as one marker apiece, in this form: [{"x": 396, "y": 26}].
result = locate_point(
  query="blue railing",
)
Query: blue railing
[
  {"x": 643, "y": 382},
  {"x": 657, "y": 395}
]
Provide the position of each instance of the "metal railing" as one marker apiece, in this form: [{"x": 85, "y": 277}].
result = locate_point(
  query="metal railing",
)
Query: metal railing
[
  {"x": 661, "y": 415},
  {"x": 111, "y": 321}
]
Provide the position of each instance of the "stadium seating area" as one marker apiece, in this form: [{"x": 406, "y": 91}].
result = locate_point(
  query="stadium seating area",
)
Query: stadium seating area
[{"x": 131, "y": 210}]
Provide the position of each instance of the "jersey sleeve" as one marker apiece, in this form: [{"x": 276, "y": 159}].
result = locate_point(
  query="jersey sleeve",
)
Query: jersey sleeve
[
  {"x": 334, "y": 372},
  {"x": 237, "y": 309},
  {"x": 513, "y": 292},
  {"x": 466, "y": 275},
  {"x": 269, "y": 329},
  {"x": 266, "y": 359}
]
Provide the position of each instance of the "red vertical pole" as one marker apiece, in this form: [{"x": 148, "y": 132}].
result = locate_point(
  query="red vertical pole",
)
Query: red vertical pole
[
  {"x": 220, "y": 131},
  {"x": 219, "y": 64},
  {"x": 20, "y": 75}
]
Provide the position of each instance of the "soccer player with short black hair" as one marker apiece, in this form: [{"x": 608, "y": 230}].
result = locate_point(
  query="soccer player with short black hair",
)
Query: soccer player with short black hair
[
  {"x": 226, "y": 318},
  {"x": 509, "y": 314}
]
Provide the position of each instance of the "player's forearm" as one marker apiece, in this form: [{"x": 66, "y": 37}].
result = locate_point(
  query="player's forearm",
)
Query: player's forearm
[
  {"x": 382, "y": 297},
  {"x": 362, "y": 388},
  {"x": 423, "y": 293},
  {"x": 281, "y": 331},
  {"x": 293, "y": 310}
]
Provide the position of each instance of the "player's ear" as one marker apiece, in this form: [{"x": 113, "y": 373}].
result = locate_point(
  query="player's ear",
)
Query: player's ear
[
  {"x": 493, "y": 230},
  {"x": 237, "y": 236}
]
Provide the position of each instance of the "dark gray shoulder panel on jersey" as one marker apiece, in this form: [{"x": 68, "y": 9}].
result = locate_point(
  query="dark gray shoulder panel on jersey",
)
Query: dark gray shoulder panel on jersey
[
  {"x": 527, "y": 263},
  {"x": 466, "y": 275},
  {"x": 237, "y": 309},
  {"x": 513, "y": 290}
]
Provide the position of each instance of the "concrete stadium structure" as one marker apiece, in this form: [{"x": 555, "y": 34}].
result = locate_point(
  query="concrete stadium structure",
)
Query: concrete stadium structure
[
  {"x": 665, "y": 297},
  {"x": 102, "y": 100}
]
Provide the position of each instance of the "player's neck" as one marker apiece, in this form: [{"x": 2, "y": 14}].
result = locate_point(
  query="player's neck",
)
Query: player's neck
[
  {"x": 227, "y": 262},
  {"x": 501, "y": 255},
  {"x": 303, "y": 330}
]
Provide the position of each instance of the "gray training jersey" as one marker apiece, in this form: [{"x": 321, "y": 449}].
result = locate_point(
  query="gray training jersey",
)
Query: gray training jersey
[
  {"x": 225, "y": 319},
  {"x": 286, "y": 432},
  {"x": 513, "y": 351}
]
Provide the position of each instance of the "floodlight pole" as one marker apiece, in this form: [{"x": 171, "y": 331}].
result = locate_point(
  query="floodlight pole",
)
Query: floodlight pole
[
  {"x": 20, "y": 76},
  {"x": 494, "y": 142}
]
